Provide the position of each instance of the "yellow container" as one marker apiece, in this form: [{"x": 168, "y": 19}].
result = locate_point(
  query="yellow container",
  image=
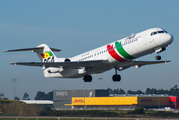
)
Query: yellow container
[{"x": 91, "y": 101}]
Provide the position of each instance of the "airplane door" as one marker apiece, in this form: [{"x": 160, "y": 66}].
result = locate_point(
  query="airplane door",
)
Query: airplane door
[
  {"x": 152, "y": 42},
  {"x": 149, "y": 41}
]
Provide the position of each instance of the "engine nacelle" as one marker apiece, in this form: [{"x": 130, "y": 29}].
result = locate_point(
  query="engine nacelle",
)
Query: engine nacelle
[
  {"x": 67, "y": 60},
  {"x": 63, "y": 60},
  {"x": 55, "y": 70},
  {"x": 60, "y": 69}
]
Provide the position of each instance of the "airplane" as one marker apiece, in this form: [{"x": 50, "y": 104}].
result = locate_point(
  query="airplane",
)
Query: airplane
[{"x": 119, "y": 55}]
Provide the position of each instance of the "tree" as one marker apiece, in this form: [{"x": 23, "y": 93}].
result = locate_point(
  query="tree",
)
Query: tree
[
  {"x": 1, "y": 96},
  {"x": 41, "y": 96},
  {"x": 139, "y": 92},
  {"x": 175, "y": 87},
  {"x": 147, "y": 91},
  {"x": 16, "y": 98},
  {"x": 110, "y": 90},
  {"x": 130, "y": 92},
  {"x": 135, "y": 92},
  {"x": 121, "y": 91},
  {"x": 26, "y": 96},
  {"x": 151, "y": 91},
  {"x": 174, "y": 91},
  {"x": 50, "y": 95},
  {"x": 116, "y": 91}
]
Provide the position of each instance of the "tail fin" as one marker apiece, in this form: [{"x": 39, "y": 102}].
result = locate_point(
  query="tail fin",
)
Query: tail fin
[
  {"x": 43, "y": 51},
  {"x": 46, "y": 54}
]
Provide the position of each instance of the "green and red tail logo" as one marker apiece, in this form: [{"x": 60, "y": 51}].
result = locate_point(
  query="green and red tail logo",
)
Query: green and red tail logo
[
  {"x": 121, "y": 51},
  {"x": 48, "y": 56}
]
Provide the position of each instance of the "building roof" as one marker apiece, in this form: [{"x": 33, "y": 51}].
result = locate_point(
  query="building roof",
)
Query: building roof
[{"x": 141, "y": 95}]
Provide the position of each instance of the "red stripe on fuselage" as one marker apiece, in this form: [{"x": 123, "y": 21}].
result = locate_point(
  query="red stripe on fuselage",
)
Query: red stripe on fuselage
[{"x": 113, "y": 53}]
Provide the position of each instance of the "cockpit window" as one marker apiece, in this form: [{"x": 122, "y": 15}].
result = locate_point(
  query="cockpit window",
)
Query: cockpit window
[
  {"x": 160, "y": 31},
  {"x": 153, "y": 33}
]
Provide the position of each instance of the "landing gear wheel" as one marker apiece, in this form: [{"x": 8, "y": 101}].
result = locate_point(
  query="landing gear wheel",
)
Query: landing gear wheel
[
  {"x": 87, "y": 78},
  {"x": 158, "y": 57},
  {"x": 116, "y": 78}
]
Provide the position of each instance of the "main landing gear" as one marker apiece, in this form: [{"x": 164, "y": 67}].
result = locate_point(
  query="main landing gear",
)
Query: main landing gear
[
  {"x": 87, "y": 78},
  {"x": 116, "y": 77},
  {"x": 158, "y": 57}
]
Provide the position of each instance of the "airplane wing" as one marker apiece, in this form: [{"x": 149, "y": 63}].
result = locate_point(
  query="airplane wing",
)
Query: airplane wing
[
  {"x": 92, "y": 63},
  {"x": 71, "y": 65},
  {"x": 138, "y": 64}
]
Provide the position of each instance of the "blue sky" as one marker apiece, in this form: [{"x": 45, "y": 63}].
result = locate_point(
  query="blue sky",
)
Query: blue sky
[{"x": 76, "y": 26}]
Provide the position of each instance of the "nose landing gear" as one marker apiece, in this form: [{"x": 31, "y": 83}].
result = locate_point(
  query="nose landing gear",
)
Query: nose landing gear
[{"x": 158, "y": 57}]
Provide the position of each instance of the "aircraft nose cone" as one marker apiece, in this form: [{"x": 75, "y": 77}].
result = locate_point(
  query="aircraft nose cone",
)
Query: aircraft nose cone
[{"x": 170, "y": 39}]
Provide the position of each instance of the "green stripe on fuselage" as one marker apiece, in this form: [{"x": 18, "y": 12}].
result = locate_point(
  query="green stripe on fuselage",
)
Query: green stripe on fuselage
[{"x": 121, "y": 51}]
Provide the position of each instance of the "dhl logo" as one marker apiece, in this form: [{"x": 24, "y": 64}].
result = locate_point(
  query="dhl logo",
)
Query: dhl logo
[
  {"x": 146, "y": 100},
  {"x": 78, "y": 101}
]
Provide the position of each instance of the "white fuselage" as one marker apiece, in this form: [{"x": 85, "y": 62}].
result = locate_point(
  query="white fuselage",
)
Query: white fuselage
[{"x": 117, "y": 53}]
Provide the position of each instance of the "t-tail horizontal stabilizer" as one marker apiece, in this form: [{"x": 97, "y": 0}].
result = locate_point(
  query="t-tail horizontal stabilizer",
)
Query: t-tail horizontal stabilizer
[
  {"x": 43, "y": 51},
  {"x": 33, "y": 49}
]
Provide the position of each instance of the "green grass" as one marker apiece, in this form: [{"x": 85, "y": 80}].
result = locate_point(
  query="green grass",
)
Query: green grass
[
  {"x": 51, "y": 119},
  {"x": 32, "y": 119}
]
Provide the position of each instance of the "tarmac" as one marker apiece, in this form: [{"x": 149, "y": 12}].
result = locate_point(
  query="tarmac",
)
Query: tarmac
[{"x": 83, "y": 118}]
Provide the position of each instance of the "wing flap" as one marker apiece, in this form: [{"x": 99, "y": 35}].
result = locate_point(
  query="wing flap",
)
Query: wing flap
[
  {"x": 138, "y": 64},
  {"x": 147, "y": 62}
]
